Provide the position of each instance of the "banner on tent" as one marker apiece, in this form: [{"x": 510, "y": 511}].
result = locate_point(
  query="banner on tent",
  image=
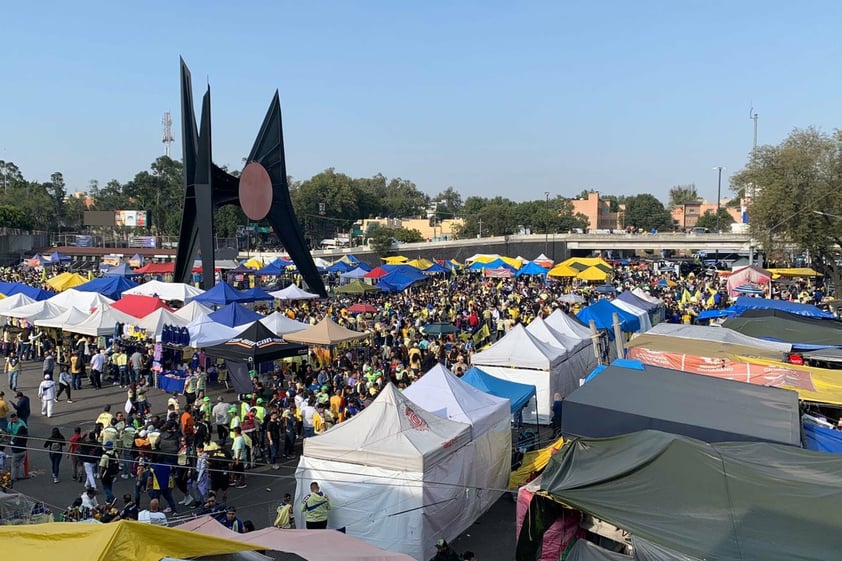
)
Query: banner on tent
[{"x": 762, "y": 375}]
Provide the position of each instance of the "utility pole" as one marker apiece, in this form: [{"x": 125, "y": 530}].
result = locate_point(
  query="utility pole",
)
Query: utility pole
[
  {"x": 753, "y": 116},
  {"x": 480, "y": 228},
  {"x": 718, "y": 207},
  {"x": 546, "y": 222}
]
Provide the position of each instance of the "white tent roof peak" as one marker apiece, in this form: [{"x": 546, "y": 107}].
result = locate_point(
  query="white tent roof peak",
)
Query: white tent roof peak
[
  {"x": 567, "y": 325},
  {"x": 549, "y": 335},
  {"x": 442, "y": 393},
  {"x": 520, "y": 349},
  {"x": 192, "y": 310},
  {"x": 393, "y": 433}
]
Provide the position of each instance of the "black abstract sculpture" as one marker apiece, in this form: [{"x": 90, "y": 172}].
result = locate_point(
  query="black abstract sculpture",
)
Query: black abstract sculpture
[{"x": 261, "y": 191}]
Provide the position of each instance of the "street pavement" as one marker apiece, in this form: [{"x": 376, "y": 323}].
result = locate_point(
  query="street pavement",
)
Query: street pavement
[{"x": 491, "y": 537}]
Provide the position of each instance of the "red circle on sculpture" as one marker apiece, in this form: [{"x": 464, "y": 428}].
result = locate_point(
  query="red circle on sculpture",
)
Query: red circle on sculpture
[{"x": 255, "y": 191}]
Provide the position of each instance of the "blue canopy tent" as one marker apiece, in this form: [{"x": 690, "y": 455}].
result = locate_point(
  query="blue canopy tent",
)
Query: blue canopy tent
[
  {"x": 748, "y": 303},
  {"x": 601, "y": 312},
  {"x": 340, "y": 267},
  {"x": 822, "y": 439},
  {"x": 399, "y": 280},
  {"x": 241, "y": 270},
  {"x": 532, "y": 269},
  {"x": 517, "y": 394},
  {"x": 361, "y": 265},
  {"x": 55, "y": 258},
  {"x": 112, "y": 287},
  {"x": 496, "y": 264},
  {"x": 435, "y": 268},
  {"x": 621, "y": 362},
  {"x": 220, "y": 295},
  {"x": 656, "y": 311},
  {"x": 256, "y": 294},
  {"x": 274, "y": 269},
  {"x": 234, "y": 315},
  {"x": 121, "y": 270},
  {"x": 11, "y": 288}
]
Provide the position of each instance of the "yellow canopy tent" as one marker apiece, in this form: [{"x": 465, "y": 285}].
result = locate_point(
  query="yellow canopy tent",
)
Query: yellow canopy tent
[
  {"x": 533, "y": 463},
  {"x": 117, "y": 540},
  {"x": 254, "y": 263},
  {"x": 828, "y": 383},
  {"x": 562, "y": 270},
  {"x": 794, "y": 272},
  {"x": 456, "y": 263},
  {"x": 593, "y": 274},
  {"x": 420, "y": 264},
  {"x": 66, "y": 280},
  {"x": 395, "y": 260}
]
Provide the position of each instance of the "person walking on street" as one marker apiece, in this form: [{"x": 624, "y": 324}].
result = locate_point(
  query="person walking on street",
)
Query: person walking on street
[
  {"x": 316, "y": 507},
  {"x": 49, "y": 364},
  {"x": 77, "y": 370},
  {"x": 97, "y": 366},
  {"x": 75, "y": 457},
  {"x": 47, "y": 395},
  {"x": 4, "y": 412},
  {"x": 109, "y": 469},
  {"x": 13, "y": 370},
  {"x": 22, "y": 407},
  {"x": 17, "y": 445},
  {"x": 55, "y": 447},
  {"x": 444, "y": 552},
  {"x": 65, "y": 383}
]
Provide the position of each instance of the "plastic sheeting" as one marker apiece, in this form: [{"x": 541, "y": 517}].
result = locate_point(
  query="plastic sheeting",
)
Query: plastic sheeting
[
  {"x": 718, "y": 334},
  {"x": 822, "y": 439},
  {"x": 517, "y": 394},
  {"x": 730, "y": 501}
]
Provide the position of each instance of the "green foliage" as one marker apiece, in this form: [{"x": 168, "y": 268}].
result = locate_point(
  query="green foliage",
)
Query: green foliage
[
  {"x": 11, "y": 217},
  {"x": 680, "y": 194},
  {"x": 646, "y": 212},
  {"x": 500, "y": 216},
  {"x": 407, "y": 235},
  {"x": 380, "y": 238},
  {"x": 708, "y": 220},
  {"x": 796, "y": 194}
]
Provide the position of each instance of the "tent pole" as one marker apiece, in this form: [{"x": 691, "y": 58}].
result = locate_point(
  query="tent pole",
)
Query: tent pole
[
  {"x": 618, "y": 335},
  {"x": 595, "y": 341}
]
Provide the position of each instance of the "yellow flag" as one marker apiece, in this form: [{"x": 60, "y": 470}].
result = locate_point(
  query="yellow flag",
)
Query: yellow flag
[{"x": 482, "y": 334}]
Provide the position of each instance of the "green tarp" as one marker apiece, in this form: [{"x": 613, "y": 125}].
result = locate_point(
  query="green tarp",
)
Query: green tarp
[
  {"x": 728, "y": 502},
  {"x": 789, "y": 328}
]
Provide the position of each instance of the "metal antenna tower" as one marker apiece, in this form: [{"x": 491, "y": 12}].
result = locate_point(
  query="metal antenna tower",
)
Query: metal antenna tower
[{"x": 166, "y": 136}]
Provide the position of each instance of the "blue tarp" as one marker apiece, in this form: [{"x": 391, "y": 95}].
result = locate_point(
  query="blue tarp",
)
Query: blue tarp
[
  {"x": 822, "y": 439},
  {"x": 340, "y": 267},
  {"x": 220, "y": 295},
  {"x": 714, "y": 314},
  {"x": 601, "y": 312},
  {"x": 621, "y": 362},
  {"x": 747, "y": 303},
  {"x": 112, "y": 287},
  {"x": 398, "y": 280},
  {"x": 10, "y": 288},
  {"x": 234, "y": 315},
  {"x": 55, "y": 258},
  {"x": 532, "y": 269},
  {"x": 517, "y": 394},
  {"x": 121, "y": 270}
]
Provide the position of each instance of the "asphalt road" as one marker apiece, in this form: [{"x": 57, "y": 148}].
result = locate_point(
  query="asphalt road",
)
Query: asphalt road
[{"x": 491, "y": 537}]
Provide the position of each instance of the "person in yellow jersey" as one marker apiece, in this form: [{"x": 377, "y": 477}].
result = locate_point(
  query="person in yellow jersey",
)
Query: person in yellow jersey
[{"x": 316, "y": 507}]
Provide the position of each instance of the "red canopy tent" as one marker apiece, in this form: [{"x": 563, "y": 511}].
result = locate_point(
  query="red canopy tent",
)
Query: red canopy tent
[
  {"x": 376, "y": 273},
  {"x": 156, "y": 269},
  {"x": 139, "y": 306}
]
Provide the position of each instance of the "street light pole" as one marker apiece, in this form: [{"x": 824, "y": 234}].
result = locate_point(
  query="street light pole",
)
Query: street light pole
[
  {"x": 546, "y": 222},
  {"x": 718, "y": 196}
]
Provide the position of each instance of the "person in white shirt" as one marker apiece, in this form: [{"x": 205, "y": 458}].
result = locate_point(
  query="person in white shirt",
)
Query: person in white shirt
[
  {"x": 47, "y": 395},
  {"x": 89, "y": 499},
  {"x": 97, "y": 367},
  {"x": 152, "y": 515}
]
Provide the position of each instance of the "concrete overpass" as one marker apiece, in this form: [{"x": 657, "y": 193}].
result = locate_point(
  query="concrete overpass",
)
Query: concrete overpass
[{"x": 555, "y": 246}]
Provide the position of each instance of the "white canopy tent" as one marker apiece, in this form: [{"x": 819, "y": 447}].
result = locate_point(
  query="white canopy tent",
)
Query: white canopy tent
[
  {"x": 548, "y": 334},
  {"x": 641, "y": 315},
  {"x": 640, "y": 293},
  {"x": 69, "y": 316},
  {"x": 79, "y": 299},
  {"x": 279, "y": 324},
  {"x": 568, "y": 325},
  {"x": 398, "y": 475},
  {"x": 100, "y": 323},
  {"x": 170, "y": 291},
  {"x": 154, "y": 323},
  {"x": 204, "y": 332},
  {"x": 36, "y": 310},
  {"x": 521, "y": 357},
  {"x": 718, "y": 335},
  {"x": 13, "y": 302},
  {"x": 192, "y": 310},
  {"x": 579, "y": 356},
  {"x": 445, "y": 395},
  {"x": 292, "y": 292}
]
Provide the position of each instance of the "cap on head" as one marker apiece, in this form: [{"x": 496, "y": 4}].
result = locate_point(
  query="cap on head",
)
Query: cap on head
[{"x": 441, "y": 543}]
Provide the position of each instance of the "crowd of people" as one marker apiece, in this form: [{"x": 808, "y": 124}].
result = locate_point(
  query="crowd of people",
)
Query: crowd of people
[{"x": 188, "y": 455}]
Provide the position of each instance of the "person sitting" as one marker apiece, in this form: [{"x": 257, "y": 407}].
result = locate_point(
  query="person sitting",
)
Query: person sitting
[{"x": 152, "y": 515}]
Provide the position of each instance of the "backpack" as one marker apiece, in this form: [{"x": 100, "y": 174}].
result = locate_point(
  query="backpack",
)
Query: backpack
[{"x": 113, "y": 467}]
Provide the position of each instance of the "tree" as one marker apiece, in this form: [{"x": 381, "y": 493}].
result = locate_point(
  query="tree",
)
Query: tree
[
  {"x": 379, "y": 238},
  {"x": 708, "y": 220},
  {"x": 407, "y": 235},
  {"x": 646, "y": 212},
  {"x": 796, "y": 196},
  {"x": 449, "y": 203},
  {"x": 680, "y": 194},
  {"x": 11, "y": 217}
]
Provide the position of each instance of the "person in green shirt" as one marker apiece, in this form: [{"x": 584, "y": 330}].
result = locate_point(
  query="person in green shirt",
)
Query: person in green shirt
[{"x": 316, "y": 507}]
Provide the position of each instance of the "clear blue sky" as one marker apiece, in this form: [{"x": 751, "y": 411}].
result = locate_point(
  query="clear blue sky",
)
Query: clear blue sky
[{"x": 493, "y": 98}]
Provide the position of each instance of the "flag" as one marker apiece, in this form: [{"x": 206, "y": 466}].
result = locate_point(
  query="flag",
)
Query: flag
[{"x": 482, "y": 334}]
